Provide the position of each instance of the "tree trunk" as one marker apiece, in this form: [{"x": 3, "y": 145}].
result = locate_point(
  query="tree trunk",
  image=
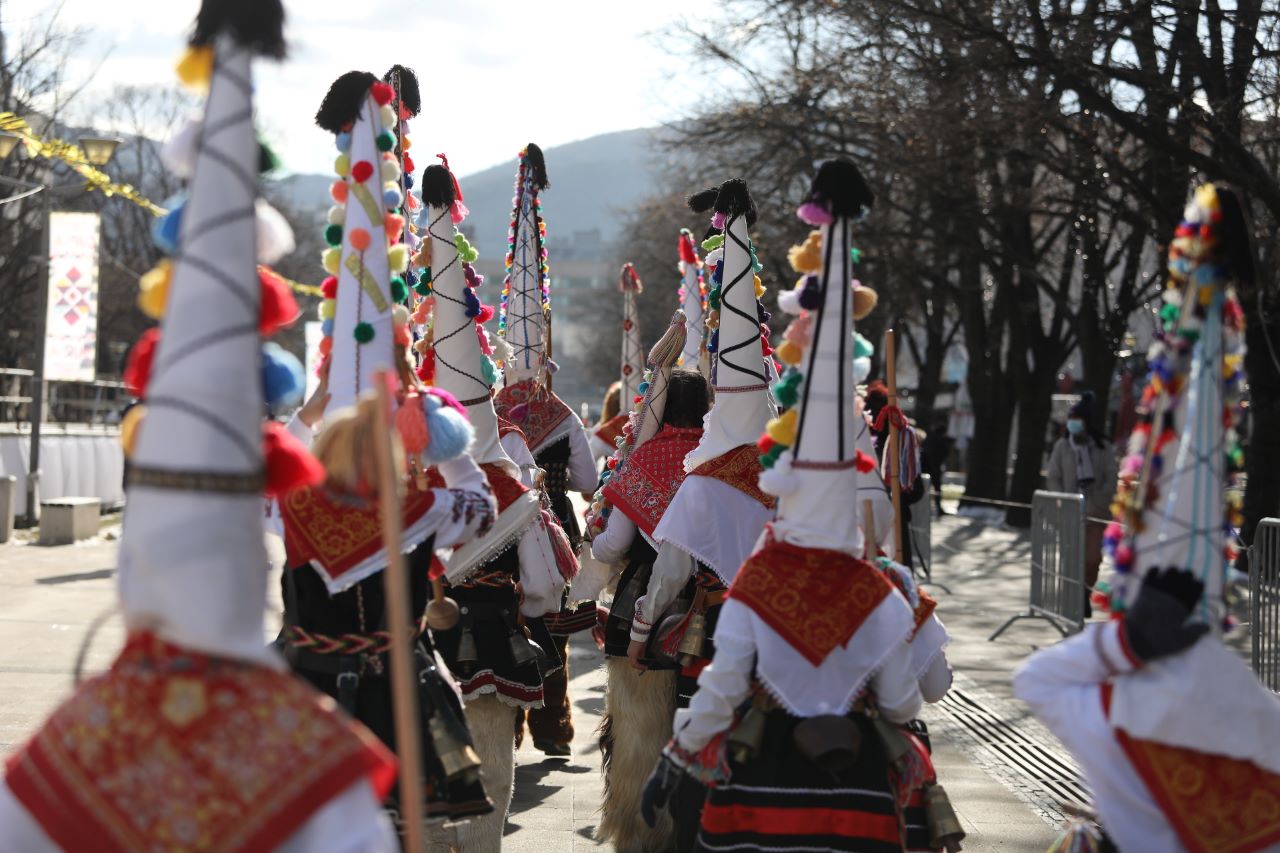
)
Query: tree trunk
[
  {"x": 1035, "y": 407},
  {"x": 1262, "y": 455}
]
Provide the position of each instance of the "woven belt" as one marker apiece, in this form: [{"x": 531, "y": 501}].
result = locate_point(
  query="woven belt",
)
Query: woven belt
[
  {"x": 494, "y": 579},
  {"x": 374, "y": 643}
]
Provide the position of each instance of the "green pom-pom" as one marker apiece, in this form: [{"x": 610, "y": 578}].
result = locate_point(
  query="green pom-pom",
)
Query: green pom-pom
[
  {"x": 1170, "y": 313},
  {"x": 489, "y": 369},
  {"x": 423, "y": 287},
  {"x": 862, "y": 347},
  {"x": 267, "y": 159},
  {"x": 399, "y": 290},
  {"x": 386, "y": 141},
  {"x": 713, "y": 299},
  {"x": 787, "y": 389},
  {"x": 363, "y": 333},
  {"x": 771, "y": 457},
  {"x": 713, "y": 242},
  {"x": 855, "y": 255},
  {"x": 333, "y": 235}
]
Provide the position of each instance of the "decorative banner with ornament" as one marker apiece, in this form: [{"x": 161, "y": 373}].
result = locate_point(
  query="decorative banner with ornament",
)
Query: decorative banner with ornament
[{"x": 71, "y": 324}]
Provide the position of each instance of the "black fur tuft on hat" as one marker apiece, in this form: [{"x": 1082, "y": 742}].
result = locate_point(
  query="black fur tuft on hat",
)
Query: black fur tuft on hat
[
  {"x": 536, "y": 174},
  {"x": 437, "y": 187},
  {"x": 734, "y": 199},
  {"x": 341, "y": 104},
  {"x": 255, "y": 24},
  {"x": 840, "y": 188},
  {"x": 701, "y": 202},
  {"x": 410, "y": 94}
]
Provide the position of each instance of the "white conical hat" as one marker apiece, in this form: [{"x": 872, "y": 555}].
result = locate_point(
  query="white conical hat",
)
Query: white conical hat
[
  {"x": 193, "y": 565},
  {"x": 460, "y": 365},
  {"x": 362, "y": 331},
  {"x": 526, "y": 298},
  {"x": 815, "y": 477},
  {"x": 740, "y": 372},
  {"x": 632, "y": 350},
  {"x": 693, "y": 301}
]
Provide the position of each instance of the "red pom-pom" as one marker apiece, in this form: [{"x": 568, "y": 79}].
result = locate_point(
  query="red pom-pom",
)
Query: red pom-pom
[
  {"x": 382, "y": 93},
  {"x": 864, "y": 463},
  {"x": 362, "y": 171},
  {"x": 637, "y": 398},
  {"x": 137, "y": 370},
  {"x": 485, "y": 315},
  {"x": 329, "y": 288},
  {"x": 279, "y": 308},
  {"x": 427, "y": 370},
  {"x": 289, "y": 465},
  {"x": 408, "y": 164},
  {"x": 613, "y": 462},
  {"x": 765, "y": 444},
  {"x": 686, "y": 250}
]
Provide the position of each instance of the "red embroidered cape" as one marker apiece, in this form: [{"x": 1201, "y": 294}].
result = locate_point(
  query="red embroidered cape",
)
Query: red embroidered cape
[
  {"x": 174, "y": 750},
  {"x": 647, "y": 481},
  {"x": 506, "y": 490},
  {"x": 741, "y": 469},
  {"x": 336, "y": 536},
  {"x": 611, "y": 430},
  {"x": 506, "y": 427},
  {"x": 815, "y": 599},
  {"x": 543, "y": 410},
  {"x": 1214, "y": 803}
]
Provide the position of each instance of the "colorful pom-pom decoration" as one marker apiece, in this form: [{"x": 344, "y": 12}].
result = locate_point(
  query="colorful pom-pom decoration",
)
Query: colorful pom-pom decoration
[
  {"x": 363, "y": 333},
  {"x": 333, "y": 235},
  {"x": 359, "y": 239},
  {"x": 153, "y": 292},
  {"x": 362, "y": 171}
]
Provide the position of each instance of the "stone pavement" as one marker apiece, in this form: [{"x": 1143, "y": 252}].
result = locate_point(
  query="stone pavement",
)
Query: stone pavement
[{"x": 1003, "y": 772}]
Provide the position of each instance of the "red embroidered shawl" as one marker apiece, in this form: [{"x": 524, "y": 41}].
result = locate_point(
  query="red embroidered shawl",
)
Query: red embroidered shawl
[
  {"x": 543, "y": 411},
  {"x": 741, "y": 469},
  {"x": 643, "y": 487}
]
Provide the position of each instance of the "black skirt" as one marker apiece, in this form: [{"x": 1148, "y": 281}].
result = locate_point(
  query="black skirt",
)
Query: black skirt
[
  {"x": 360, "y": 682},
  {"x": 489, "y": 626},
  {"x": 780, "y": 801}
]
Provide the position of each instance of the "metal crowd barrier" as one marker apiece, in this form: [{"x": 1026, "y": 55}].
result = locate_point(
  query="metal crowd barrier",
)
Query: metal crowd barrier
[
  {"x": 1057, "y": 562},
  {"x": 1264, "y": 602},
  {"x": 920, "y": 530}
]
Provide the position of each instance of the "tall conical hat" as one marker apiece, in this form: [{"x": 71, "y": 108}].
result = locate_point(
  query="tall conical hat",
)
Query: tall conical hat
[
  {"x": 365, "y": 263},
  {"x": 1172, "y": 505},
  {"x": 406, "y": 103},
  {"x": 526, "y": 398},
  {"x": 811, "y": 450},
  {"x": 693, "y": 301},
  {"x": 740, "y": 371},
  {"x": 193, "y": 566},
  {"x": 461, "y": 367},
  {"x": 632, "y": 351},
  {"x": 646, "y": 417},
  {"x": 526, "y": 294}
]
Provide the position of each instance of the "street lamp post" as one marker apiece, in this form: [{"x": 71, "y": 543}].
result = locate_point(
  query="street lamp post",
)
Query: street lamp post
[{"x": 98, "y": 151}]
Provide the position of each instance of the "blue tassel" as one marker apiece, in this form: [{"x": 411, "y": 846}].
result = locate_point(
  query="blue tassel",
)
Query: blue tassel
[
  {"x": 408, "y": 182},
  {"x": 283, "y": 379},
  {"x": 391, "y": 198},
  {"x": 166, "y": 230},
  {"x": 473, "y": 303},
  {"x": 714, "y": 344}
]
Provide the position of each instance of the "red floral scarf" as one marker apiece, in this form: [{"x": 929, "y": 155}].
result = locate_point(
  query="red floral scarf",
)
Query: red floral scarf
[
  {"x": 536, "y": 410},
  {"x": 643, "y": 487}
]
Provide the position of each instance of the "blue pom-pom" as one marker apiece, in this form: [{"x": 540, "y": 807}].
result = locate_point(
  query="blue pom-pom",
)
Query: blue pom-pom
[
  {"x": 326, "y": 328},
  {"x": 283, "y": 379},
  {"x": 490, "y": 370},
  {"x": 644, "y": 388},
  {"x": 714, "y": 344},
  {"x": 391, "y": 197},
  {"x": 166, "y": 229},
  {"x": 343, "y": 141},
  {"x": 451, "y": 433},
  {"x": 410, "y": 277},
  {"x": 473, "y": 303},
  {"x": 408, "y": 182}
]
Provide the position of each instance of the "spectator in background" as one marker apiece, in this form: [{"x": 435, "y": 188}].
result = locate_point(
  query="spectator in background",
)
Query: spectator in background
[
  {"x": 1084, "y": 462},
  {"x": 875, "y": 399},
  {"x": 934, "y": 451}
]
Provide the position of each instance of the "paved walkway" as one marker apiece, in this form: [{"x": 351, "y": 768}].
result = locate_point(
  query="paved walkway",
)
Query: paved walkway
[{"x": 1002, "y": 770}]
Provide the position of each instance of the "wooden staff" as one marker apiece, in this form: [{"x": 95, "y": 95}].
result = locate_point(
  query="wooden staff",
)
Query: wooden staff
[
  {"x": 869, "y": 530},
  {"x": 396, "y": 583},
  {"x": 895, "y": 480}
]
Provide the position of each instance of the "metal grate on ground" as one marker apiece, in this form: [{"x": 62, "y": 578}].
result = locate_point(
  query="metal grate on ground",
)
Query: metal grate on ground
[{"x": 1003, "y": 739}]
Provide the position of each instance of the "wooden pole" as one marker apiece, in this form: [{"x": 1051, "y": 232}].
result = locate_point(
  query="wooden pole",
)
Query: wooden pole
[
  {"x": 895, "y": 481},
  {"x": 869, "y": 530},
  {"x": 396, "y": 583}
]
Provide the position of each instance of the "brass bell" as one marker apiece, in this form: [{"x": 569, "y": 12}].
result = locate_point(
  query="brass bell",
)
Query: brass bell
[
  {"x": 695, "y": 636},
  {"x": 522, "y": 651},
  {"x": 443, "y": 614},
  {"x": 468, "y": 654},
  {"x": 459, "y": 760},
  {"x": 945, "y": 830},
  {"x": 745, "y": 740}
]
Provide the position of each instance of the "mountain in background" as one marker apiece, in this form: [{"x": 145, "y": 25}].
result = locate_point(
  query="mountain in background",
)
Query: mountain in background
[{"x": 594, "y": 182}]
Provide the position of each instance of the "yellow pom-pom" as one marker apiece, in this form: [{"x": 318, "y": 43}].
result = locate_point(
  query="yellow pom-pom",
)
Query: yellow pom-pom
[
  {"x": 129, "y": 428},
  {"x": 330, "y": 259},
  {"x": 807, "y": 257},
  {"x": 153, "y": 293},
  {"x": 759, "y": 287},
  {"x": 782, "y": 429},
  {"x": 195, "y": 68},
  {"x": 342, "y": 165},
  {"x": 328, "y": 309},
  {"x": 864, "y": 301},
  {"x": 789, "y": 352},
  {"x": 398, "y": 258}
]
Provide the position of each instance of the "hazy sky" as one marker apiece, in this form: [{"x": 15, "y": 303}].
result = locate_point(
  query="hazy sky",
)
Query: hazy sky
[{"x": 495, "y": 73}]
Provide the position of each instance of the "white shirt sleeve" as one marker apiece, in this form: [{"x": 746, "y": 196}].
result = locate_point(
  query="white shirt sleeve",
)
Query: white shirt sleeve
[
  {"x": 352, "y": 822},
  {"x": 723, "y": 685},
  {"x": 936, "y": 680},
  {"x": 466, "y": 507},
  {"x": 540, "y": 579},
  {"x": 1062, "y": 684},
  {"x": 896, "y": 688},
  {"x": 611, "y": 545},
  {"x": 582, "y": 464},
  {"x": 515, "y": 447},
  {"x": 671, "y": 572},
  {"x": 296, "y": 428},
  {"x": 600, "y": 449}
]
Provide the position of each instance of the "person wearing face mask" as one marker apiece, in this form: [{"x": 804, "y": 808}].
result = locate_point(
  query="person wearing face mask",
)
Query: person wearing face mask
[{"x": 1084, "y": 461}]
